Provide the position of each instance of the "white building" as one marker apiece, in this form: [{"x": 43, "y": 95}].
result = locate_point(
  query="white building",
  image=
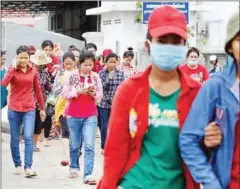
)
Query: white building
[{"x": 118, "y": 30}]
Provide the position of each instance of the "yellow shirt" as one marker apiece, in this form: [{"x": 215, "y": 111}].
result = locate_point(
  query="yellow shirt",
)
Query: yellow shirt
[{"x": 60, "y": 105}]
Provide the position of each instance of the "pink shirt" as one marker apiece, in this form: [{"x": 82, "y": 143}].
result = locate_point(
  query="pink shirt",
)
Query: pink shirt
[{"x": 81, "y": 106}]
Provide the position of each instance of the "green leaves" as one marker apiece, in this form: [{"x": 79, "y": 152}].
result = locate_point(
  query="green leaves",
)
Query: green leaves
[{"x": 138, "y": 17}]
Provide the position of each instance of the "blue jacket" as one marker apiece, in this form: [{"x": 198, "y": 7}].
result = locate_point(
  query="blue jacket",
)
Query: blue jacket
[
  {"x": 4, "y": 91},
  {"x": 217, "y": 100}
]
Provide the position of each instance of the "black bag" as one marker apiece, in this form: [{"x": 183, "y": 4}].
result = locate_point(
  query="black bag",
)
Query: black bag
[{"x": 50, "y": 110}]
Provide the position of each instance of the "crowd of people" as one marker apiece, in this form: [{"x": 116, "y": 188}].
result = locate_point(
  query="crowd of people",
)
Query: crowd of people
[{"x": 175, "y": 125}]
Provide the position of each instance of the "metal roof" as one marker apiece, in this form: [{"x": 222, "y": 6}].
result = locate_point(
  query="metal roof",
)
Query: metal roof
[{"x": 36, "y": 8}]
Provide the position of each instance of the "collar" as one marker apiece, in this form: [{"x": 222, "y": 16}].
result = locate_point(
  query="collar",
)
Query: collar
[
  {"x": 186, "y": 81},
  {"x": 29, "y": 67}
]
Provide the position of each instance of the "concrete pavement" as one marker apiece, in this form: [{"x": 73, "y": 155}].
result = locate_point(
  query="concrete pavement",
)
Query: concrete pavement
[{"x": 51, "y": 175}]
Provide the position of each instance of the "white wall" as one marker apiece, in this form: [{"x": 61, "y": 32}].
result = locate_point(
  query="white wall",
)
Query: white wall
[
  {"x": 217, "y": 20},
  {"x": 127, "y": 33}
]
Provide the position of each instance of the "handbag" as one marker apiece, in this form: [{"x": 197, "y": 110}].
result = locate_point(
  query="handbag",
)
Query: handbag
[{"x": 50, "y": 110}]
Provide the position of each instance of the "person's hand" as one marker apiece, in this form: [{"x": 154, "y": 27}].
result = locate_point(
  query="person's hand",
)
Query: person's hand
[
  {"x": 91, "y": 88},
  {"x": 15, "y": 63},
  {"x": 213, "y": 135},
  {"x": 111, "y": 74},
  {"x": 92, "y": 93},
  {"x": 82, "y": 91},
  {"x": 42, "y": 115}
]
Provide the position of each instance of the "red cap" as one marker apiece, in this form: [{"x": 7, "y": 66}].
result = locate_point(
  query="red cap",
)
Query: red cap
[
  {"x": 31, "y": 49},
  {"x": 166, "y": 20},
  {"x": 106, "y": 52}
]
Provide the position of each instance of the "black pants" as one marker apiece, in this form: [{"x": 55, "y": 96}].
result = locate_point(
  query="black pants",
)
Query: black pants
[
  {"x": 38, "y": 123},
  {"x": 64, "y": 127},
  {"x": 104, "y": 114},
  {"x": 47, "y": 125}
]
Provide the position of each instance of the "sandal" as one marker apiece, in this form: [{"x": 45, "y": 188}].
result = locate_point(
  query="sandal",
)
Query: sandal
[
  {"x": 90, "y": 181},
  {"x": 73, "y": 175},
  {"x": 64, "y": 163},
  {"x": 29, "y": 173}
]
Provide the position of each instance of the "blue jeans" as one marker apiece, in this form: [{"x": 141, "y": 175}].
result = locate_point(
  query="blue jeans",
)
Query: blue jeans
[
  {"x": 15, "y": 120},
  {"x": 104, "y": 114},
  {"x": 82, "y": 128}
]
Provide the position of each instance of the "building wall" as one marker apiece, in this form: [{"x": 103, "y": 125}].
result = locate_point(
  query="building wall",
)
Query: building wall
[{"x": 41, "y": 23}]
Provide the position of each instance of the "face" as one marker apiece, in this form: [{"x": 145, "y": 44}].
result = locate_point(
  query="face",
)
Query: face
[
  {"x": 127, "y": 61},
  {"x": 48, "y": 50},
  {"x": 92, "y": 50},
  {"x": 193, "y": 56},
  {"x": 23, "y": 59},
  {"x": 86, "y": 66},
  {"x": 235, "y": 48},
  {"x": 112, "y": 64},
  {"x": 69, "y": 64},
  {"x": 3, "y": 60},
  {"x": 76, "y": 54},
  {"x": 214, "y": 62},
  {"x": 171, "y": 39}
]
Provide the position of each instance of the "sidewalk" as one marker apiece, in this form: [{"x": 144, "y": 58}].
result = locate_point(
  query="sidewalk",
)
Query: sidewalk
[{"x": 51, "y": 175}]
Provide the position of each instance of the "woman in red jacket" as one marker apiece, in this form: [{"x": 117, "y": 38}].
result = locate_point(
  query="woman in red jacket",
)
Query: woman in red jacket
[{"x": 23, "y": 79}]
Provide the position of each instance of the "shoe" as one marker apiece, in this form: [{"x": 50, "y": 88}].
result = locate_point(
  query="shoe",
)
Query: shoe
[
  {"x": 79, "y": 154},
  {"x": 64, "y": 163},
  {"x": 18, "y": 170},
  {"x": 46, "y": 144},
  {"x": 29, "y": 173},
  {"x": 36, "y": 149}
]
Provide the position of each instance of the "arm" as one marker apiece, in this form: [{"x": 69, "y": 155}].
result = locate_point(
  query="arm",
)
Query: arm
[
  {"x": 201, "y": 113},
  {"x": 8, "y": 77},
  {"x": 235, "y": 172},
  {"x": 48, "y": 86},
  {"x": 99, "y": 89},
  {"x": 118, "y": 140},
  {"x": 57, "y": 86},
  {"x": 105, "y": 80},
  {"x": 38, "y": 91}
]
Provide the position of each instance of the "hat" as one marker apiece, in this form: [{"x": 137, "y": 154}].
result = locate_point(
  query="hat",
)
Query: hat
[
  {"x": 167, "y": 20},
  {"x": 232, "y": 29},
  {"x": 213, "y": 58},
  {"x": 40, "y": 58},
  {"x": 106, "y": 52},
  {"x": 31, "y": 49}
]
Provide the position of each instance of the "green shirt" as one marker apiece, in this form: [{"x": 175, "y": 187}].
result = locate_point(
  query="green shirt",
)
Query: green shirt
[{"x": 160, "y": 165}]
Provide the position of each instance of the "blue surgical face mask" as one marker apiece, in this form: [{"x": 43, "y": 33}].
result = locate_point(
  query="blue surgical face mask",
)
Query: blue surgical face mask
[
  {"x": 167, "y": 57},
  {"x": 193, "y": 62}
]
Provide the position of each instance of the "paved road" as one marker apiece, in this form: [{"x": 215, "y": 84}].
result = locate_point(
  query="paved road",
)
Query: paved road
[{"x": 51, "y": 175}]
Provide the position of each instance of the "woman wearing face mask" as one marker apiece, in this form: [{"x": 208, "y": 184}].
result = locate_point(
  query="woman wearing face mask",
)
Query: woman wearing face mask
[
  {"x": 69, "y": 66},
  {"x": 193, "y": 69},
  {"x": 24, "y": 82},
  {"x": 83, "y": 90},
  {"x": 216, "y": 66},
  {"x": 148, "y": 111}
]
